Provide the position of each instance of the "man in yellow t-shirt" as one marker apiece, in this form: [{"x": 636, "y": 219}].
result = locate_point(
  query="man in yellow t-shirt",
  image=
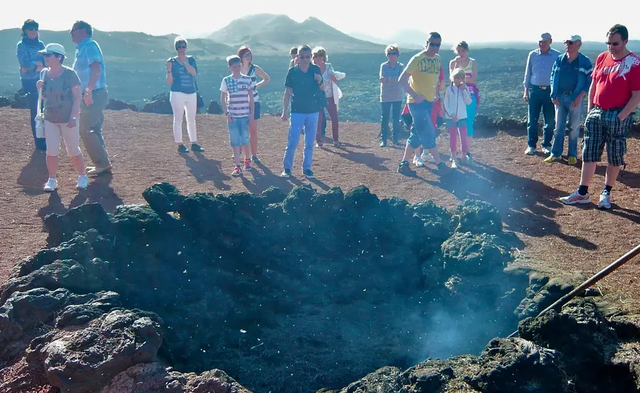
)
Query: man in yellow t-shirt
[{"x": 421, "y": 80}]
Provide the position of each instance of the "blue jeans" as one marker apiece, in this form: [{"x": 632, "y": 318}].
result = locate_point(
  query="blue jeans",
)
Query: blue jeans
[
  {"x": 563, "y": 111},
  {"x": 29, "y": 87},
  {"x": 472, "y": 110},
  {"x": 540, "y": 99},
  {"x": 422, "y": 132},
  {"x": 395, "y": 108},
  {"x": 310, "y": 123}
]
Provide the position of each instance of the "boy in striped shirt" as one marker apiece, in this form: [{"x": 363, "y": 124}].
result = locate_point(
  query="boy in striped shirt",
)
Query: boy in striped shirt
[{"x": 237, "y": 101}]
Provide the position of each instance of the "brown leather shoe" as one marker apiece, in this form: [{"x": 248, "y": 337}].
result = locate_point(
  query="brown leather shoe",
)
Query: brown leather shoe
[{"x": 93, "y": 171}]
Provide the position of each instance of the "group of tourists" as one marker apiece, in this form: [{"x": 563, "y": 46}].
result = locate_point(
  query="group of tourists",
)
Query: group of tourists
[
  {"x": 74, "y": 99},
  {"x": 556, "y": 83}
]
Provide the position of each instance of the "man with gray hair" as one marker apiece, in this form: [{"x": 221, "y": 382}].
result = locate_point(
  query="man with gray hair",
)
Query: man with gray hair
[
  {"x": 570, "y": 82},
  {"x": 537, "y": 93},
  {"x": 89, "y": 65}
]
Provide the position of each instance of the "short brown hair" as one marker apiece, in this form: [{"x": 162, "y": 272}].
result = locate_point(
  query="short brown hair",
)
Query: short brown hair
[
  {"x": 619, "y": 29},
  {"x": 392, "y": 48},
  {"x": 180, "y": 40},
  {"x": 82, "y": 25},
  {"x": 303, "y": 48},
  {"x": 463, "y": 45},
  {"x": 294, "y": 51},
  {"x": 233, "y": 59}
]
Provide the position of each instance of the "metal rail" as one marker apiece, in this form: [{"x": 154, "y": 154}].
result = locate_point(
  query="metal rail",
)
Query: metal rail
[{"x": 594, "y": 279}]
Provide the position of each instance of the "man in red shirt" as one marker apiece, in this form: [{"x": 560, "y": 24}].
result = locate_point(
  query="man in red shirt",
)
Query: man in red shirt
[{"x": 613, "y": 96}]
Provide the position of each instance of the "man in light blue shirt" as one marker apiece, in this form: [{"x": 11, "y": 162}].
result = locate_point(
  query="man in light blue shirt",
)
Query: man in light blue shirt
[
  {"x": 537, "y": 93},
  {"x": 89, "y": 65}
]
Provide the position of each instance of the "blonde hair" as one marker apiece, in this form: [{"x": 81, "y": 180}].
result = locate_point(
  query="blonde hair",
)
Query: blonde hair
[
  {"x": 392, "y": 48},
  {"x": 458, "y": 72},
  {"x": 319, "y": 51}
]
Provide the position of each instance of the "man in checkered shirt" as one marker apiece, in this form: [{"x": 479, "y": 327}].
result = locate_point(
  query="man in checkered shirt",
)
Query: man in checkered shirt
[{"x": 613, "y": 96}]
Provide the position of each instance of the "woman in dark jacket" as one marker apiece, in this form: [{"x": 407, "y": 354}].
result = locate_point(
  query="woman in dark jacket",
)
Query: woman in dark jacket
[{"x": 31, "y": 63}]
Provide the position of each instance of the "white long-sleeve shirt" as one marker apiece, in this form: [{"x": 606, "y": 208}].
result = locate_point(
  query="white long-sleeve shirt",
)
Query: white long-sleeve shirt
[{"x": 456, "y": 101}]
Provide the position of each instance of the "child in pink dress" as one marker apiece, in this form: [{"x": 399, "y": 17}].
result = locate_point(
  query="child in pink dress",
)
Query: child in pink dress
[{"x": 456, "y": 99}]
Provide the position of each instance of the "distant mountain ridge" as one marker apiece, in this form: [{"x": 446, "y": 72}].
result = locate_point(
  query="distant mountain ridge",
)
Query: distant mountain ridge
[{"x": 278, "y": 33}]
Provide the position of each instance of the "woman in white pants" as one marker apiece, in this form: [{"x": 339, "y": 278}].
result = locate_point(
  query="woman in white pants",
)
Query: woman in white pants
[
  {"x": 60, "y": 88},
  {"x": 181, "y": 72}
]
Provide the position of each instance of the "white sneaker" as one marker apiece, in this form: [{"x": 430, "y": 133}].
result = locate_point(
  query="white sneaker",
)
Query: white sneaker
[
  {"x": 545, "y": 150},
  {"x": 576, "y": 198},
  {"x": 454, "y": 164},
  {"x": 51, "y": 185},
  {"x": 605, "y": 201},
  {"x": 83, "y": 182},
  {"x": 530, "y": 151},
  {"x": 418, "y": 161},
  {"x": 427, "y": 157}
]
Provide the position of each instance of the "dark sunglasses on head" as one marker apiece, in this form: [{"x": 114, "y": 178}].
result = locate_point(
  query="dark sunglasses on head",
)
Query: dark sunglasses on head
[
  {"x": 392, "y": 54},
  {"x": 434, "y": 44},
  {"x": 613, "y": 43}
]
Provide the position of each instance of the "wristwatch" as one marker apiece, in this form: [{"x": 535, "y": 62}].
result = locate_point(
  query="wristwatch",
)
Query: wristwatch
[{"x": 74, "y": 118}]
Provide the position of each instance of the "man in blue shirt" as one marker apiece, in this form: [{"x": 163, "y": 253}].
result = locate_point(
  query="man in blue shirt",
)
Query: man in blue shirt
[
  {"x": 89, "y": 65},
  {"x": 537, "y": 93},
  {"x": 570, "y": 82}
]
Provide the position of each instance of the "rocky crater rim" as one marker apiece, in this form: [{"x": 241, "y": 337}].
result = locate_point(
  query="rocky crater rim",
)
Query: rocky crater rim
[{"x": 305, "y": 291}]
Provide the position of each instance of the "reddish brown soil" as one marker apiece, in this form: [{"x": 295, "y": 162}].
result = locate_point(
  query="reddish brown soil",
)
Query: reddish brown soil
[{"x": 558, "y": 238}]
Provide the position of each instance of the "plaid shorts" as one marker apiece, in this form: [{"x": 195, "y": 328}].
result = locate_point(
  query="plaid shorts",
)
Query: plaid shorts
[{"x": 603, "y": 127}]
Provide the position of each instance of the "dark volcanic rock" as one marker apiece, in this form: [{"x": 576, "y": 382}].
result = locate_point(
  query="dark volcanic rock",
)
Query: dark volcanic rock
[
  {"x": 159, "y": 104},
  {"x": 214, "y": 108},
  {"x": 20, "y": 100},
  {"x": 163, "y": 198},
  {"x": 287, "y": 293},
  {"x": 85, "y": 360},
  {"x": 117, "y": 105},
  {"x": 4, "y": 102}
]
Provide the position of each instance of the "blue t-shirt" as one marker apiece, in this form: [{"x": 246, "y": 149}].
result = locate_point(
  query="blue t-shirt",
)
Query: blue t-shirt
[
  {"x": 88, "y": 52},
  {"x": 183, "y": 81}
]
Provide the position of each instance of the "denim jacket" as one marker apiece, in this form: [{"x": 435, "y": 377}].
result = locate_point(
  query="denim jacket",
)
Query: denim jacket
[{"x": 584, "y": 76}]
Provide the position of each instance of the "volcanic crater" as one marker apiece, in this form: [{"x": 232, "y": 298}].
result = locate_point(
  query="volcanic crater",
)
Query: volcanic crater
[{"x": 299, "y": 292}]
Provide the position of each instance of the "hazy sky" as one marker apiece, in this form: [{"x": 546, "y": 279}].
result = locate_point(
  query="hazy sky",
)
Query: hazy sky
[{"x": 471, "y": 20}]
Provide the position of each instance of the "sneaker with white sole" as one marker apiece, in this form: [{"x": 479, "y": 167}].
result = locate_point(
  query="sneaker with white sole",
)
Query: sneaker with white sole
[
  {"x": 83, "y": 182},
  {"x": 51, "y": 185},
  {"x": 417, "y": 160},
  {"x": 546, "y": 150},
  {"x": 427, "y": 157},
  {"x": 530, "y": 151},
  {"x": 605, "y": 201},
  {"x": 576, "y": 198}
]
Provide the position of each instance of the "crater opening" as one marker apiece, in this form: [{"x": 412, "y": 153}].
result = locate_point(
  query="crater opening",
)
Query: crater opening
[{"x": 291, "y": 293}]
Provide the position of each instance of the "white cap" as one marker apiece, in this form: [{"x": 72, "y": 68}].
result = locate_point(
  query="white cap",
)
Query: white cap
[
  {"x": 574, "y": 38},
  {"x": 53, "y": 48}
]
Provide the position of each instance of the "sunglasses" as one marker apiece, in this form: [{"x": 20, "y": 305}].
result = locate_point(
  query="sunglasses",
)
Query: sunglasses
[
  {"x": 569, "y": 42},
  {"x": 392, "y": 54},
  {"x": 31, "y": 29},
  {"x": 304, "y": 57},
  {"x": 437, "y": 45},
  {"x": 181, "y": 47},
  {"x": 47, "y": 54},
  {"x": 613, "y": 43}
]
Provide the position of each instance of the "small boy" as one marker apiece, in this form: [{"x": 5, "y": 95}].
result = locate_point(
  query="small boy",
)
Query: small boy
[{"x": 237, "y": 102}]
